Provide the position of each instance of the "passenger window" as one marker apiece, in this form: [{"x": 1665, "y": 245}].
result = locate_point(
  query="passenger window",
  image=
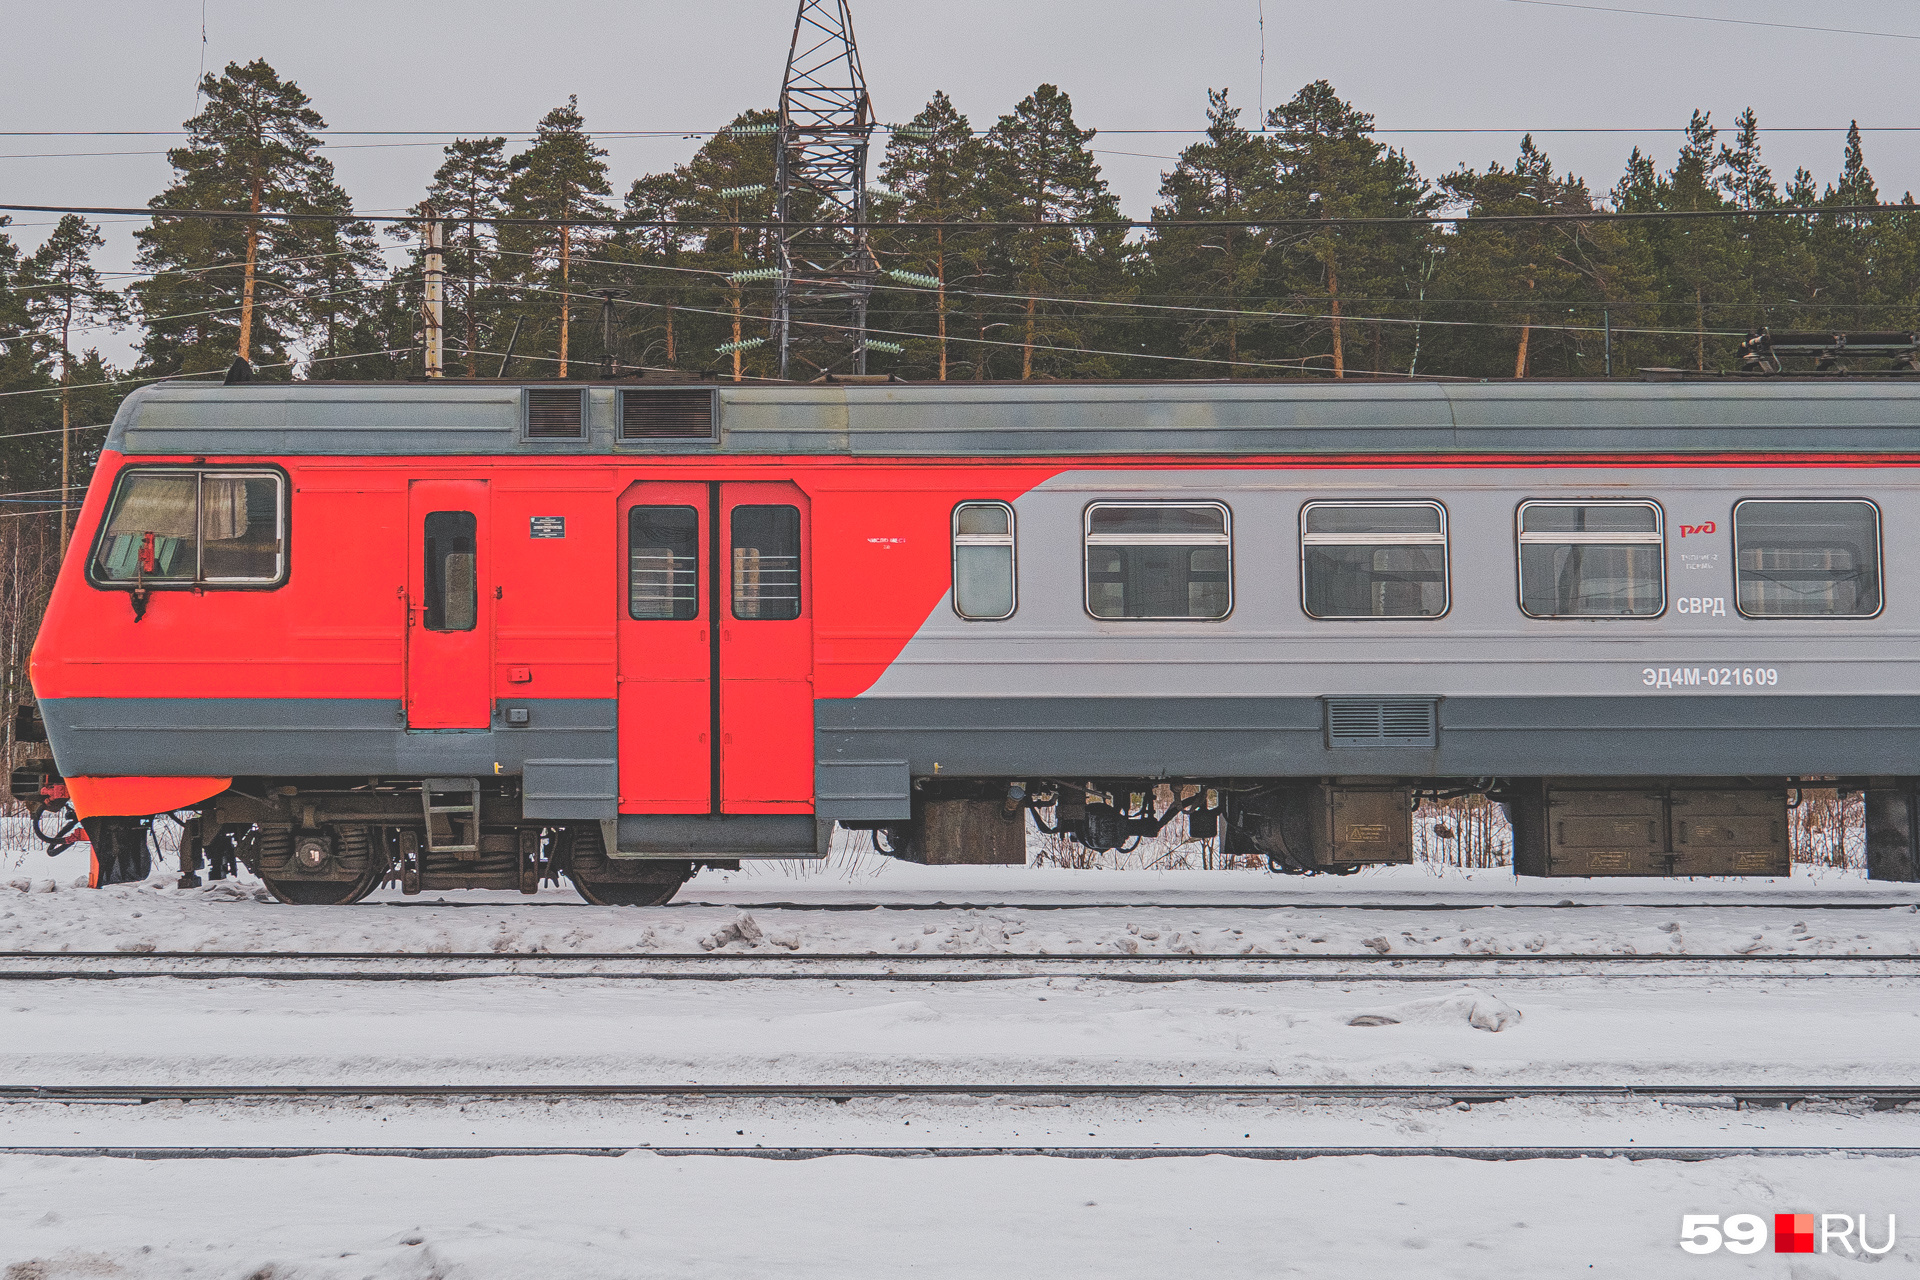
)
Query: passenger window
[
  {"x": 452, "y": 571},
  {"x": 766, "y": 563},
  {"x": 983, "y": 560},
  {"x": 206, "y": 527},
  {"x": 1159, "y": 560},
  {"x": 1807, "y": 558},
  {"x": 1374, "y": 559},
  {"x": 1591, "y": 560},
  {"x": 663, "y": 563}
]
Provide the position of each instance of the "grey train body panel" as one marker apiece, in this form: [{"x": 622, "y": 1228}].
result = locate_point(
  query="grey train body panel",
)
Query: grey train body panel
[
  {"x": 1054, "y": 419},
  {"x": 1479, "y": 737},
  {"x": 294, "y": 737}
]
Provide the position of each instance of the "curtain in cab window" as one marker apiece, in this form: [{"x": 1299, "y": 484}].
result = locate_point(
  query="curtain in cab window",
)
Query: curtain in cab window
[{"x": 191, "y": 526}]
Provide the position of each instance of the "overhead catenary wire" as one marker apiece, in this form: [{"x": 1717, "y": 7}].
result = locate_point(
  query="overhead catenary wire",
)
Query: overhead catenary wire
[{"x": 1064, "y": 224}]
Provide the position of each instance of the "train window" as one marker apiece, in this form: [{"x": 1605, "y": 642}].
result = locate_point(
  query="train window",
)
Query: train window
[
  {"x": 1807, "y": 558},
  {"x": 663, "y": 563},
  {"x": 983, "y": 560},
  {"x": 1373, "y": 559},
  {"x": 1591, "y": 560},
  {"x": 766, "y": 562},
  {"x": 1159, "y": 560},
  {"x": 452, "y": 571},
  {"x": 212, "y": 528}
]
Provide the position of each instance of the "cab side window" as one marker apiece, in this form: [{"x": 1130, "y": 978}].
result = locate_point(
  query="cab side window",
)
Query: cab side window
[{"x": 201, "y": 527}]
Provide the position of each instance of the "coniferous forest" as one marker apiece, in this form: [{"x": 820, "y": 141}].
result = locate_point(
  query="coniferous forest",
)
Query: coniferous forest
[{"x": 334, "y": 299}]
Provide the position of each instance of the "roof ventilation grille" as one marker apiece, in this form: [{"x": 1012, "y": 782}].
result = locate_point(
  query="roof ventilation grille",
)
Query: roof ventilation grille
[
  {"x": 1382, "y": 722},
  {"x": 555, "y": 413},
  {"x": 679, "y": 414}
]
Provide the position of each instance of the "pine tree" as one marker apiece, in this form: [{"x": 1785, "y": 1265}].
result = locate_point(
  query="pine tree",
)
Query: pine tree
[
  {"x": 1038, "y": 170},
  {"x": 63, "y": 291},
  {"x": 1231, "y": 176},
  {"x": 729, "y": 182},
  {"x": 468, "y": 188},
  {"x": 1331, "y": 167},
  {"x": 559, "y": 179},
  {"x": 253, "y": 147},
  {"x": 1521, "y": 269},
  {"x": 933, "y": 165}
]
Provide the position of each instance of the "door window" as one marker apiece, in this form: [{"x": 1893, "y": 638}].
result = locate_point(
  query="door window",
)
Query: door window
[
  {"x": 663, "y": 563},
  {"x": 766, "y": 562},
  {"x": 452, "y": 571}
]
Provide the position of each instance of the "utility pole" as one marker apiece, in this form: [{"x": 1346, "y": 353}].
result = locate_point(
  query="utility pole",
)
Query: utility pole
[
  {"x": 609, "y": 358},
  {"x": 827, "y": 268},
  {"x": 434, "y": 300}
]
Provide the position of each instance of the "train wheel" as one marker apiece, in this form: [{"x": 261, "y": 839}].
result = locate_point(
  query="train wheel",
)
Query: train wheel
[
  {"x": 624, "y": 883},
  {"x": 324, "y": 893},
  {"x": 632, "y": 893}
]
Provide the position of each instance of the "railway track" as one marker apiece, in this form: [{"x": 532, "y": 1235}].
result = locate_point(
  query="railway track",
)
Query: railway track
[
  {"x": 1732, "y": 1095},
  {"x": 1491, "y": 1153},
  {"x": 723, "y": 966},
  {"x": 1788, "y": 902}
]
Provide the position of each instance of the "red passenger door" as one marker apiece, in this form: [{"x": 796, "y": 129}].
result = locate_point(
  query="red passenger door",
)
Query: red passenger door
[
  {"x": 716, "y": 649},
  {"x": 449, "y": 606},
  {"x": 666, "y": 649},
  {"x": 766, "y": 651}
]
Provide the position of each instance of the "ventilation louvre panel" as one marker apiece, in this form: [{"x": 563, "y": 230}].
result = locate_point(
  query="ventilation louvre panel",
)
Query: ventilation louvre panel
[
  {"x": 666, "y": 415},
  {"x": 554, "y": 413},
  {"x": 1382, "y": 722}
]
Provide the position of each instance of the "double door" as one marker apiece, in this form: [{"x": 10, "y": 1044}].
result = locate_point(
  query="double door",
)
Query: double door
[{"x": 716, "y": 649}]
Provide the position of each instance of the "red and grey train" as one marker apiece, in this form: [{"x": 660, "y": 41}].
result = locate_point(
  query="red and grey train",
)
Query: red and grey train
[{"x": 471, "y": 634}]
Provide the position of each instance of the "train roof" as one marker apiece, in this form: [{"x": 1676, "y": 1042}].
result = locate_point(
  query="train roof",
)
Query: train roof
[{"x": 1026, "y": 419}]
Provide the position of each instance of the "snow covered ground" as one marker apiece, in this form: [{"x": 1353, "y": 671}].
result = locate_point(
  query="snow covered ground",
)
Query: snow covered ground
[
  {"x": 345, "y": 1218},
  {"x": 999, "y": 1215}
]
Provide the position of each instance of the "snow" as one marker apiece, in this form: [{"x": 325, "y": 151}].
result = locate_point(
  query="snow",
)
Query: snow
[
  {"x": 345, "y": 1218},
  {"x": 647, "y": 1214}
]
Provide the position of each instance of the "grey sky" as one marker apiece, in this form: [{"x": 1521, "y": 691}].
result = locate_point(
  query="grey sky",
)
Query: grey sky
[{"x": 488, "y": 66}]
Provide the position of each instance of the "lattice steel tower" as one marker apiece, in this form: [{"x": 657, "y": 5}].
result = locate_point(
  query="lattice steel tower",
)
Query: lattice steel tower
[{"x": 820, "y": 198}]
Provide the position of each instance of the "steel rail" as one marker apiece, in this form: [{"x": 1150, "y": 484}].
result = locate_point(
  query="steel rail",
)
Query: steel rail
[
  {"x": 1737, "y": 1094},
  {"x": 1687, "y": 1154},
  {"x": 1151, "y": 968},
  {"x": 946, "y": 967},
  {"x": 1863, "y": 903}
]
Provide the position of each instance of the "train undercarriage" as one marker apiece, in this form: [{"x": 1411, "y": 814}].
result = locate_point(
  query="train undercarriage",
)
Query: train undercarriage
[{"x": 321, "y": 841}]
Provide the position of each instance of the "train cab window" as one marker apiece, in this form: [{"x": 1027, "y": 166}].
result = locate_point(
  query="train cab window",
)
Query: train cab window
[
  {"x": 1159, "y": 560},
  {"x": 766, "y": 562},
  {"x": 983, "y": 560},
  {"x": 1373, "y": 559},
  {"x": 199, "y": 527},
  {"x": 1591, "y": 560},
  {"x": 663, "y": 563},
  {"x": 452, "y": 571},
  {"x": 1807, "y": 558}
]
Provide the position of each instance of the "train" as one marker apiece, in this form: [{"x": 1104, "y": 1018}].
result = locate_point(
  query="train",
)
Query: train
[{"x": 449, "y": 634}]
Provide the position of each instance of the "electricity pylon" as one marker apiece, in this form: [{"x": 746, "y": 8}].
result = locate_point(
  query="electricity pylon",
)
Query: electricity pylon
[{"x": 827, "y": 268}]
